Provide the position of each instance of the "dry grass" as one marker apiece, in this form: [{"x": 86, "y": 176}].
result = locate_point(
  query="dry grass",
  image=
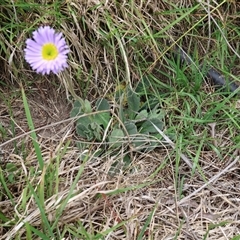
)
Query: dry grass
[{"x": 157, "y": 196}]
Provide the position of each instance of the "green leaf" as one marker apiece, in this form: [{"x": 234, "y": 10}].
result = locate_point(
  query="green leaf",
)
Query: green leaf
[
  {"x": 33, "y": 134},
  {"x": 85, "y": 120},
  {"x": 11, "y": 178},
  {"x": 116, "y": 137},
  {"x": 139, "y": 141},
  {"x": 147, "y": 223},
  {"x": 131, "y": 128},
  {"x": 77, "y": 109},
  {"x": 102, "y": 104},
  {"x": 147, "y": 126},
  {"x": 96, "y": 130},
  {"x": 122, "y": 113},
  {"x": 89, "y": 127},
  {"x": 3, "y": 218},
  {"x": 136, "y": 138},
  {"x": 156, "y": 113},
  {"x": 87, "y": 106},
  {"x": 142, "y": 115},
  {"x": 127, "y": 161},
  {"x": 84, "y": 131},
  {"x": 143, "y": 85},
  {"x": 81, "y": 107},
  {"x": 102, "y": 118},
  {"x": 133, "y": 101},
  {"x": 11, "y": 167}
]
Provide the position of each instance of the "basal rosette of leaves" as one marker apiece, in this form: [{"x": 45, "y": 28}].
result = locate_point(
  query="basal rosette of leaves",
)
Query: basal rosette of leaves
[{"x": 128, "y": 121}]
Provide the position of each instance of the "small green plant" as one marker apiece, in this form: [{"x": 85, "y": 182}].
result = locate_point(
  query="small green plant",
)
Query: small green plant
[
  {"x": 91, "y": 126},
  {"x": 130, "y": 121}
]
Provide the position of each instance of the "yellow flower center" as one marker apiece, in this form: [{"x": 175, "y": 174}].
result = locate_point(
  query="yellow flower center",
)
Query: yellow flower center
[{"x": 49, "y": 51}]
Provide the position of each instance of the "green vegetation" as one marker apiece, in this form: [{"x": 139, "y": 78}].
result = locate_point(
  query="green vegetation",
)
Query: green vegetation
[{"x": 128, "y": 142}]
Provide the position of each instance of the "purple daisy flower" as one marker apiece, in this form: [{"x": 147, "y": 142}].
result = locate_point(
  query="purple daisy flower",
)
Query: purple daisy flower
[{"x": 47, "y": 51}]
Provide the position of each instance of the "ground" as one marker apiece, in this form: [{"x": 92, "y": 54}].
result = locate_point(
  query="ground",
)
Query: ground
[{"x": 186, "y": 187}]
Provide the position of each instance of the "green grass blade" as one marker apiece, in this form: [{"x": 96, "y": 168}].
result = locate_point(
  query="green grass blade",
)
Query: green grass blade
[
  {"x": 141, "y": 234},
  {"x": 31, "y": 127},
  {"x": 45, "y": 221},
  {"x": 37, "y": 232}
]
